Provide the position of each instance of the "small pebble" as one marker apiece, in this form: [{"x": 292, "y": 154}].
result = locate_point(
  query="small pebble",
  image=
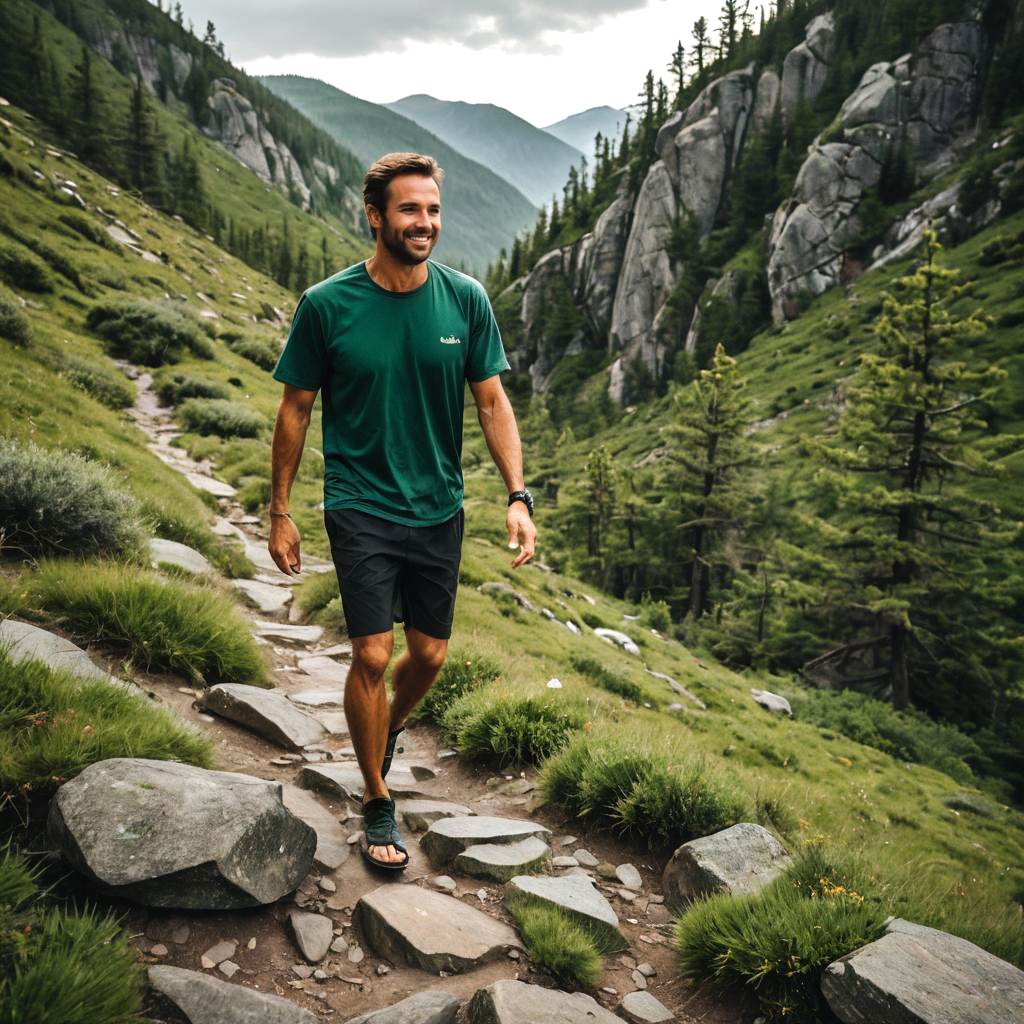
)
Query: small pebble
[
  {"x": 320, "y": 975},
  {"x": 638, "y": 979},
  {"x": 566, "y": 840},
  {"x": 443, "y": 755},
  {"x": 586, "y": 858},
  {"x": 355, "y": 954},
  {"x": 313, "y": 758},
  {"x": 657, "y": 898},
  {"x": 383, "y": 969},
  {"x": 646, "y": 969},
  {"x": 327, "y": 885},
  {"x": 611, "y": 991},
  {"x": 251, "y": 944},
  {"x": 565, "y": 862},
  {"x": 228, "y": 968},
  {"x": 339, "y": 945},
  {"x": 632, "y": 920},
  {"x": 321, "y": 995},
  {"x": 628, "y": 962},
  {"x": 302, "y": 971},
  {"x": 513, "y": 954},
  {"x": 443, "y": 882},
  {"x": 159, "y": 949},
  {"x": 206, "y": 718},
  {"x": 352, "y": 981},
  {"x": 354, "y": 838},
  {"x": 481, "y": 895},
  {"x": 626, "y": 895}
]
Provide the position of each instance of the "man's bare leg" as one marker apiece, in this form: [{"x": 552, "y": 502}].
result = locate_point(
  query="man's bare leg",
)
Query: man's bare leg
[
  {"x": 414, "y": 673},
  {"x": 366, "y": 711}
]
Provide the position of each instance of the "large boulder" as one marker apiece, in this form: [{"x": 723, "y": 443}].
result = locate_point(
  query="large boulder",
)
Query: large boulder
[
  {"x": 25, "y": 642},
  {"x": 740, "y": 859},
  {"x": 172, "y": 835},
  {"x": 918, "y": 975},
  {"x": 806, "y": 66},
  {"x": 204, "y": 999},
  {"x": 515, "y": 1002},
  {"x": 179, "y": 556}
]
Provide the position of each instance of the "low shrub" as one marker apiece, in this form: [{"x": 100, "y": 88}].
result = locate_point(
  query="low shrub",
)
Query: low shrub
[
  {"x": 150, "y": 333},
  {"x": 641, "y": 794},
  {"x": 501, "y": 729},
  {"x": 56, "y": 965},
  {"x": 107, "y": 386},
  {"x": 177, "y": 387},
  {"x": 14, "y": 325},
  {"x": 607, "y": 680},
  {"x": 593, "y": 620},
  {"x": 22, "y": 269},
  {"x": 260, "y": 351},
  {"x": 317, "y": 592},
  {"x": 561, "y": 944},
  {"x": 60, "y": 262},
  {"x": 463, "y": 672},
  {"x": 254, "y": 495},
  {"x": 53, "y": 725},
  {"x": 221, "y": 417},
  {"x": 88, "y": 229},
  {"x": 52, "y": 501},
  {"x": 656, "y": 614},
  {"x": 162, "y": 624}
]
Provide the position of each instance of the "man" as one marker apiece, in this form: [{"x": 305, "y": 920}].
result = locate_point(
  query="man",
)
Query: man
[{"x": 390, "y": 342}]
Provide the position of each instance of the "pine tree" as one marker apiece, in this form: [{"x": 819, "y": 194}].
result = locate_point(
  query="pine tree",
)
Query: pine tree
[
  {"x": 142, "y": 146},
  {"x": 325, "y": 258},
  {"x": 913, "y": 549},
  {"x": 728, "y": 27},
  {"x": 188, "y": 198},
  {"x": 708, "y": 494},
  {"x": 599, "y": 498},
  {"x": 515, "y": 260},
  {"x": 701, "y": 45},
  {"x": 677, "y": 68}
]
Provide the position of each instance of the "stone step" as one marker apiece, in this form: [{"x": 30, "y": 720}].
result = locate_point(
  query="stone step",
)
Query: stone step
[
  {"x": 448, "y": 837},
  {"x": 516, "y": 1002},
  {"x": 426, "y": 929},
  {"x": 419, "y": 815},
  {"x": 499, "y": 863},
  {"x": 268, "y": 598},
  {"x": 318, "y": 698},
  {"x": 217, "y": 488},
  {"x": 288, "y": 631},
  {"x": 266, "y": 712},
  {"x": 171, "y": 552},
  {"x": 346, "y": 780},
  {"x": 433, "y": 1007},
  {"x": 578, "y": 897},
  {"x": 332, "y": 846}
]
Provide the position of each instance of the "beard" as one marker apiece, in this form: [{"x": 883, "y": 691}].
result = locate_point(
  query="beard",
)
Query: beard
[{"x": 401, "y": 246}]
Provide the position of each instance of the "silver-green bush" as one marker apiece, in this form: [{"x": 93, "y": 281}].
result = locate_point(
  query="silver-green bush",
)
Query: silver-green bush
[
  {"x": 221, "y": 417},
  {"x": 151, "y": 333}
]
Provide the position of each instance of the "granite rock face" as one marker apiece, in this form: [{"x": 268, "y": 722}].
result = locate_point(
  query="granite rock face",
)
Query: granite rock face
[
  {"x": 172, "y": 835},
  {"x": 919, "y": 975},
  {"x": 806, "y": 66}
]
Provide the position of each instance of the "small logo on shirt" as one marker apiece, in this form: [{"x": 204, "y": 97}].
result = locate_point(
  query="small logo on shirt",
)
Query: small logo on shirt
[{"x": 451, "y": 340}]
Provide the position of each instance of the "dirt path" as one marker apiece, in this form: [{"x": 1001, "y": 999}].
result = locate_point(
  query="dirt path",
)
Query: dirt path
[{"x": 357, "y": 981}]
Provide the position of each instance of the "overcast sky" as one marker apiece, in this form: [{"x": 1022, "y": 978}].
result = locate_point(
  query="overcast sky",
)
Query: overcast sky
[{"x": 542, "y": 59}]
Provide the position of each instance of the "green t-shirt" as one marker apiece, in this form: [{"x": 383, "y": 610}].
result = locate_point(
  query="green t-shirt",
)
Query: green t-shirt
[{"x": 392, "y": 368}]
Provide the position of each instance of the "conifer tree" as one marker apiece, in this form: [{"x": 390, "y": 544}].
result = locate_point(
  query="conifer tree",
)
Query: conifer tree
[
  {"x": 677, "y": 68},
  {"x": 189, "y": 199},
  {"x": 729, "y": 26},
  {"x": 701, "y": 45},
  {"x": 142, "y": 145},
  {"x": 913, "y": 548},
  {"x": 708, "y": 495},
  {"x": 599, "y": 497}
]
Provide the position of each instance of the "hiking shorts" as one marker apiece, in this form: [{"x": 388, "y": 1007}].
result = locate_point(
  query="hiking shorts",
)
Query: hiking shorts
[{"x": 388, "y": 572}]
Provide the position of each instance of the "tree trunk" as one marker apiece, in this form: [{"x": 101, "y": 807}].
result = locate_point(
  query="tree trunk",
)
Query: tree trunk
[{"x": 898, "y": 667}]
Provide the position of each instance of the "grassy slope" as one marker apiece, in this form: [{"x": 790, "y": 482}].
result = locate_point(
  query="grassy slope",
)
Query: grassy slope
[
  {"x": 875, "y": 803},
  {"x": 482, "y": 212}
]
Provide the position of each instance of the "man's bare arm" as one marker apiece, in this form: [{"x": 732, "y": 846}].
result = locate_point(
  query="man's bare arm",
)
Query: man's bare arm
[
  {"x": 498, "y": 422},
  {"x": 293, "y": 415}
]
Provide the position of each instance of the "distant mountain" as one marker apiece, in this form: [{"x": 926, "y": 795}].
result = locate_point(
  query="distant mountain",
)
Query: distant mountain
[
  {"x": 482, "y": 211},
  {"x": 578, "y": 130},
  {"x": 533, "y": 160}
]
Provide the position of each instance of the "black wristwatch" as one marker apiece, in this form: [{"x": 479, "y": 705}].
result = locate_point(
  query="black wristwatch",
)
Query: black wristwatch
[{"x": 525, "y": 497}]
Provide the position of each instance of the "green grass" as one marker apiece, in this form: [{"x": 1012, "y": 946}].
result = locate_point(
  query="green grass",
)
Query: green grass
[
  {"x": 148, "y": 332},
  {"x": 610, "y": 681},
  {"x": 53, "y": 725},
  {"x": 161, "y": 624},
  {"x": 174, "y": 388},
  {"x": 221, "y": 417},
  {"x": 557, "y": 942},
  {"x": 14, "y": 325},
  {"x": 106, "y": 384},
  {"x": 463, "y": 672}
]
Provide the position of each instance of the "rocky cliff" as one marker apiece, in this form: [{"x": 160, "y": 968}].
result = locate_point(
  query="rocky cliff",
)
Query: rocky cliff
[{"x": 917, "y": 111}]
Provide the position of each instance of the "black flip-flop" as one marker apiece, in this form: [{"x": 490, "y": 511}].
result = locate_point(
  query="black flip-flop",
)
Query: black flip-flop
[
  {"x": 380, "y": 829},
  {"x": 389, "y": 750}
]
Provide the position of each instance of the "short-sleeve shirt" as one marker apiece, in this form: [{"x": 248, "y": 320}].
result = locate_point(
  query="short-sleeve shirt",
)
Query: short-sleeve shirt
[{"x": 392, "y": 368}]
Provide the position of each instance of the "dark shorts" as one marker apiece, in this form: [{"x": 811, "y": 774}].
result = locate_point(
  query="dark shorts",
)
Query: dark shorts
[{"x": 389, "y": 573}]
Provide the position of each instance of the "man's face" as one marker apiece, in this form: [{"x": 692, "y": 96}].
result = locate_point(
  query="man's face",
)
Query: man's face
[{"x": 411, "y": 224}]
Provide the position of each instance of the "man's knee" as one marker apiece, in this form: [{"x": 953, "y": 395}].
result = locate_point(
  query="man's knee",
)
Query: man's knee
[
  {"x": 428, "y": 652},
  {"x": 373, "y": 653}
]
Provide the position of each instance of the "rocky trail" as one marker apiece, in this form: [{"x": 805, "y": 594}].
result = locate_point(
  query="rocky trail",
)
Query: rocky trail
[{"x": 254, "y": 923}]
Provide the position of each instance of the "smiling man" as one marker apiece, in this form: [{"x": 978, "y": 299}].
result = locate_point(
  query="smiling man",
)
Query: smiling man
[{"x": 391, "y": 343}]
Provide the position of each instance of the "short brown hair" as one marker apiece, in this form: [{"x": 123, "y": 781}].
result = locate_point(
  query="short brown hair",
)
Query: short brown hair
[{"x": 391, "y": 165}]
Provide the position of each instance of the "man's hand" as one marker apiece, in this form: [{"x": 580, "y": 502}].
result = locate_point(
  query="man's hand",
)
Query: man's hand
[
  {"x": 522, "y": 533},
  {"x": 284, "y": 545}
]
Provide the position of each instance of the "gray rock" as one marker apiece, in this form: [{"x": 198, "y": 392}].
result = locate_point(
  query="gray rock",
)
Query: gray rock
[
  {"x": 426, "y": 929},
  {"x": 170, "y": 552},
  {"x": 25, "y": 642},
  {"x": 448, "y": 837},
  {"x": 578, "y": 897},
  {"x": 266, "y": 597},
  {"x": 318, "y": 698},
  {"x": 288, "y": 631},
  {"x": 206, "y": 1000},
  {"x": 565, "y": 861},
  {"x": 346, "y": 780},
  {"x": 443, "y": 883},
  {"x": 806, "y": 67},
  {"x": 332, "y": 848},
  {"x": 766, "y": 101},
  {"x": 740, "y": 859},
  {"x": 500, "y": 862},
  {"x": 324, "y": 668},
  {"x": 433, "y": 1007},
  {"x": 643, "y": 1008},
  {"x": 918, "y": 975},
  {"x": 419, "y": 815},
  {"x": 628, "y": 875},
  {"x": 515, "y": 1002},
  {"x": 772, "y": 702},
  {"x": 266, "y": 712},
  {"x": 171, "y": 835},
  {"x": 620, "y": 639},
  {"x": 499, "y": 587},
  {"x": 586, "y": 858},
  {"x": 313, "y": 934},
  {"x": 217, "y": 488}
]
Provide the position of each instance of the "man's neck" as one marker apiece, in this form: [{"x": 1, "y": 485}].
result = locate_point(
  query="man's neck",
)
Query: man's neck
[{"x": 386, "y": 271}]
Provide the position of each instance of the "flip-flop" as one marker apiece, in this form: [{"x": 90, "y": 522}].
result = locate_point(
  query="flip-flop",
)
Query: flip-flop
[
  {"x": 389, "y": 750},
  {"x": 380, "y": 829}
]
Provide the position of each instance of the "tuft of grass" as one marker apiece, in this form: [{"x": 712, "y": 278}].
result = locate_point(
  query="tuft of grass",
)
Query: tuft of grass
[
  {"x": 317, "y": 592},
  {"x": 640, "y": 793},
  {"x": 17, "y": 879},
  {"x": 52, "y": 501},
  {"x": 177, "y": 387},
  {"x": 494, "y": 727},
  {"x": 607, "y": 680},
  {"x": 150, "y": 333},
  {"x": 107, "y": 386},
  {"x": 22, "y": 269},
  {"x": 561, "y": 944},
  {"x": 14, "y": 325},
  {"x": 221, "y": 417},
  {"x": 463, "y": 672},
  {"x": 162, "y": 624},
  {"x": 53, "y": 725},
  {"x": 257, "y": 350},
  {"x": 88, "y": 229}
]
